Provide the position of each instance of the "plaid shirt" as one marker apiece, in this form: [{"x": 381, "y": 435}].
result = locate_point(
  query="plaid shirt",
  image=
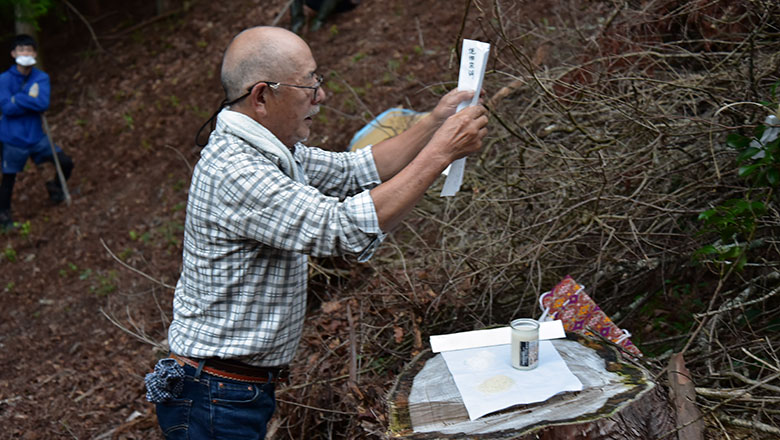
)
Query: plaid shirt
[{"x": 249, "y": 229}]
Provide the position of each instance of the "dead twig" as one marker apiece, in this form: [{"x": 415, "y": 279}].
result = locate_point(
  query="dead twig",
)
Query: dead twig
[
  {"x": 148, "y": 277},
  {"x": 141, "y": 336},
  {"x": 86, "y": 23},
  {"x": 751, "y": 424},
  {"x": 352, "y": 348}
]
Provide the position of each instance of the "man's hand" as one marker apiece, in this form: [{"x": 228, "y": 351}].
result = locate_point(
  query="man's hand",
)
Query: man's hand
[
  {"x": 449, "y": 103},
  {"x": 392, "y": 155},
  {"x": 462, "y": 133}
]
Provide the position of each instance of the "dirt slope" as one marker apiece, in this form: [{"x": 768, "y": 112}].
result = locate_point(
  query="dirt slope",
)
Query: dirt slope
[{"x": 128, "y": 118}]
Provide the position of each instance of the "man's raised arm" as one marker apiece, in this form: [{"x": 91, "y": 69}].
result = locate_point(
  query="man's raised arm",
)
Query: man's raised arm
[
  {"x": 460, "y": 135},
  {"x": 392, "y": 155}
]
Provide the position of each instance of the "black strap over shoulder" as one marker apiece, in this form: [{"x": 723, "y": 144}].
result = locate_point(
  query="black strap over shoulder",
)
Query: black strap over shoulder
[{"x": 213, "y": 121}]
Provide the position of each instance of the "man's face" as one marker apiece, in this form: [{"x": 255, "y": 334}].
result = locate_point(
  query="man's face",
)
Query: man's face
[
  {"x": 290, "y": 109},
  {"x": 22, "y": 51}
]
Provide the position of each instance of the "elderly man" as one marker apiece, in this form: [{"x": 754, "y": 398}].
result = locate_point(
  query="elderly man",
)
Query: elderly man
[{"x": 260, "y": 202}]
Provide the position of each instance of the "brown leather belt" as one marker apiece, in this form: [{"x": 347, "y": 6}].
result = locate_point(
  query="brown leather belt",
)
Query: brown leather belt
[{"x": 237, "y": 370}]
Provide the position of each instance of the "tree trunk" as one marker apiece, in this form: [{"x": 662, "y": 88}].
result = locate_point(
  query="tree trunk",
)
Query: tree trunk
[
  {"x": 164, "y": 6},
  {"x": 619, "y": 400},
  {"x": 92, "y": 8},
  {"x": 23, "y": 24}
]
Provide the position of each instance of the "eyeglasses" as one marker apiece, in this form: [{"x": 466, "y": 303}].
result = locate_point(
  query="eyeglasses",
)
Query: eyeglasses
[
  {"x": 272, "y": 84},
  {"x": 275, "y": 85}
]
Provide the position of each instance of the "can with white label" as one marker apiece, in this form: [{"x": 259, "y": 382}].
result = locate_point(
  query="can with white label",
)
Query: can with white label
[{"x": 525, "y": 343}]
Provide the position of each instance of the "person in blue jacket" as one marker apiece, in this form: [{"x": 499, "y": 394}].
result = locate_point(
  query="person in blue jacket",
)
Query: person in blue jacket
[{"x": 24, "y": 96}]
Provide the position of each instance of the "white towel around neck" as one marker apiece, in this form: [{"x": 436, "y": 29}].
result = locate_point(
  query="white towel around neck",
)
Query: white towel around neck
[{"x": 251, "y": 131}]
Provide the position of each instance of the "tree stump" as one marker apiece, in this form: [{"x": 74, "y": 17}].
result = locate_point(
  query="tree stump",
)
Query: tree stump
[{"x": 619, "y": 400}]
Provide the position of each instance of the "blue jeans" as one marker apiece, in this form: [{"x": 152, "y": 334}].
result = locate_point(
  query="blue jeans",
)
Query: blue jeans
[{"x": 214, "y": 408}]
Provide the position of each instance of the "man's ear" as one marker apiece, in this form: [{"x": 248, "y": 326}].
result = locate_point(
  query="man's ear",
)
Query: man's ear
[{"x": 257, "y": 98}]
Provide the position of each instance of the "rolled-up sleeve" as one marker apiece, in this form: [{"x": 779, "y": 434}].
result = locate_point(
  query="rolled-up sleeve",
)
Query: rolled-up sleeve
[{"x": 365, "y": 203}]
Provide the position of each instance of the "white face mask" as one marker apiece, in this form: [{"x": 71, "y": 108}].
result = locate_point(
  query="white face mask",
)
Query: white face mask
[{"x": 25, "y": 60}]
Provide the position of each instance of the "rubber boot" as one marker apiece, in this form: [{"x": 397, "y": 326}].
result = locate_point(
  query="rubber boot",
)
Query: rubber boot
[
  {"x": 325, "y": 9},
  {"x": 6, "y": 221},
  {"x": 54, "y": 186},
  {"x": 297, "y": 19},
  {"x": 56, "y": 193},
  {"x": 6, "y": 189}
]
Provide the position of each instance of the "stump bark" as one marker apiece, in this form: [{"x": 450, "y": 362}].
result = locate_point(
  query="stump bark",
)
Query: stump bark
[{"x": 619, "y": 400}]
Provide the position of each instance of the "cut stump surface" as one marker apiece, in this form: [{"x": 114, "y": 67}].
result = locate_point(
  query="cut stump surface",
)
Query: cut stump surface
[{"x": 619, "y": 400}]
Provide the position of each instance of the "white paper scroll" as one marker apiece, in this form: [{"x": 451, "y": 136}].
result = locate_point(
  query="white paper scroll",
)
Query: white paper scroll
[{"x": 473, "y": 61}]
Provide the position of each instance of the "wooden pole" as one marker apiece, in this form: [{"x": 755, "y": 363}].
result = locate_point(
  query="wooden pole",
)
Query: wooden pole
[{"x": 57, "y": 165}]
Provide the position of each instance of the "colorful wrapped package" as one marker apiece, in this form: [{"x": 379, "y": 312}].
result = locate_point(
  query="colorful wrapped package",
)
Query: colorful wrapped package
[
  {"x": 580, "y": 314},
  {"x": 390, "y": 123}
]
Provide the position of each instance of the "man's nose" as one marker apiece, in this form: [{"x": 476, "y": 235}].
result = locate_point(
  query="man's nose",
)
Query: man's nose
[{"x": 320, "y": 96}]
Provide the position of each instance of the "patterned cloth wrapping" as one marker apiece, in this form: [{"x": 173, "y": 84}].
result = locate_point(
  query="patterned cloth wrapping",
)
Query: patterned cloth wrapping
[
  {"x": 580, "y": 314},
  {"x": 166, "y": 382}
]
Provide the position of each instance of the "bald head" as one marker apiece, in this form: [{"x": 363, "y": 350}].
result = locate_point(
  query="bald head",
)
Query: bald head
[{"x": 260, "y": 53}]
